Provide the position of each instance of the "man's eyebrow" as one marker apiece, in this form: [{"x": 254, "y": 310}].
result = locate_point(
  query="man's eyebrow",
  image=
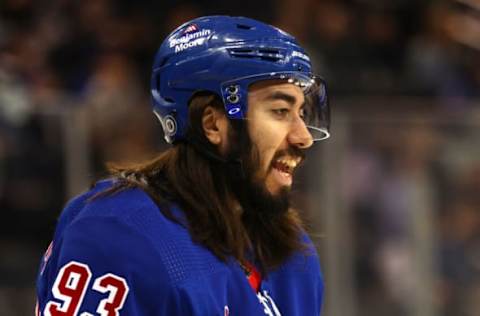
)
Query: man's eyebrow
[{"x": 280, "y": 95}]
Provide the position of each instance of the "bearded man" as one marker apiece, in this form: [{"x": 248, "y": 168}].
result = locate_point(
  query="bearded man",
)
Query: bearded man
[{"x": 205, "y": 228}]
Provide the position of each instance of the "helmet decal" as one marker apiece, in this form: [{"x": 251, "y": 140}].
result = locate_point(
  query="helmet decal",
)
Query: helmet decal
[{"x": 192, "y": 36}]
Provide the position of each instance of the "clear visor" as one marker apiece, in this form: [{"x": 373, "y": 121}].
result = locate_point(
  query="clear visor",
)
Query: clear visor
[{"x": 315, "y": 112}]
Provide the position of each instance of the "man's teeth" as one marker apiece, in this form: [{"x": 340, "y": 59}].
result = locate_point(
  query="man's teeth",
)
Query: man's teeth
[{"x": 289, "y": 162}]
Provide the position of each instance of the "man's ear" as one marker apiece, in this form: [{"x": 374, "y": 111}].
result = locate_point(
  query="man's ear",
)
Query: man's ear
[{"x": 215, "y": 125}]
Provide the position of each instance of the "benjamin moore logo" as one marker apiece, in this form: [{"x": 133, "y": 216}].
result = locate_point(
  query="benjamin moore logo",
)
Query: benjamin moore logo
[{"x": 191, "y": 37}]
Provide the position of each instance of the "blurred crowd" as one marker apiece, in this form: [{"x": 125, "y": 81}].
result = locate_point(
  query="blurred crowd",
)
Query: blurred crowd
[
  {"x": 61, "y": 57},
  {"x": 412, "y": 183}
]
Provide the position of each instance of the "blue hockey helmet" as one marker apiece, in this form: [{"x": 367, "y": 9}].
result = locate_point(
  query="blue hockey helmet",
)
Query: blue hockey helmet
[{"x": 225, "y": 55}]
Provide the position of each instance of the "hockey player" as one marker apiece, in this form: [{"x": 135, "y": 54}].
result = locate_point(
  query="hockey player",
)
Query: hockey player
[{"x": 206, "y": 227}]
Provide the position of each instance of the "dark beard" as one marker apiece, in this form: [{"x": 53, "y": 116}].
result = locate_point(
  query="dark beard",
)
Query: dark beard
[
  {"x": 249, "y": 190},
  {"x": 255, "y": 200},
  {"x": 272, "y": 229}
]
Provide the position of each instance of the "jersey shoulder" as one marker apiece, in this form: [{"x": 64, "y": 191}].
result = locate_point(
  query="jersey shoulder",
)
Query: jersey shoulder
[
  {"x": 125, "y": 235},
  {"x": 128, "y": 215}
]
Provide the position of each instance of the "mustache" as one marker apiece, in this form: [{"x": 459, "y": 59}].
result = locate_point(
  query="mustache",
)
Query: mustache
[{"x": 293, "y": 152}]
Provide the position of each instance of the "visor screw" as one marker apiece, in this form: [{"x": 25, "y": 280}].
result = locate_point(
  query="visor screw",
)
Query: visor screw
[
  {"x": 233, "y": 98},
  {"x": 232, "y": 89}
]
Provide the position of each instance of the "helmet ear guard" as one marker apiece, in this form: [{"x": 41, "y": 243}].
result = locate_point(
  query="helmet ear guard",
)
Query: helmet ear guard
[{"x": 225, "y": 55}]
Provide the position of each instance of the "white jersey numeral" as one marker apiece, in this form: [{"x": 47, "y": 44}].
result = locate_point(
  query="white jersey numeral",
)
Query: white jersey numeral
[
  {"x": 70, "y": 287},
  {"x": 118, "y": 289}
]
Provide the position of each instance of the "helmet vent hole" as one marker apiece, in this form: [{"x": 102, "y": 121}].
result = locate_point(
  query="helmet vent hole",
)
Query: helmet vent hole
[
  {"x": 268, "y": 51},
  {"x": 268, "y": 54},
  {"x": 244, "y": 27},
  {"x": 242, "y": 50}
]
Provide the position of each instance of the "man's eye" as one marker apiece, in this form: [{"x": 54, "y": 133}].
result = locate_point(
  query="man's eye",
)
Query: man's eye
[{"x": 281, "y": 113}]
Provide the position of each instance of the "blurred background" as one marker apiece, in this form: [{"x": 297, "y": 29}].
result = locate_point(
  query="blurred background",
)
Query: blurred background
[{"x": 393, "y": 198}]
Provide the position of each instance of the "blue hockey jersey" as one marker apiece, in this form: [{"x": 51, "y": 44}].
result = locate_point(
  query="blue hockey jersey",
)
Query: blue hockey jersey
[{"x": 118, "y": 255}]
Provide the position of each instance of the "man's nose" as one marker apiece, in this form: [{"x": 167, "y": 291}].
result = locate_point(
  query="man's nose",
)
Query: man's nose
[{"x": 299, "y": 135}]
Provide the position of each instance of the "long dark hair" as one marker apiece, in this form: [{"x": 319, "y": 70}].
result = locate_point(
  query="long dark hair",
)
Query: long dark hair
[{"x": 188, "y": 175}]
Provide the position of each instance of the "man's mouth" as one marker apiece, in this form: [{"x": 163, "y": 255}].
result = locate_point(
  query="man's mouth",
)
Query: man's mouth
[
  {"x": 283, "y": 169},
  {"x": 286, "y": 164}
]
